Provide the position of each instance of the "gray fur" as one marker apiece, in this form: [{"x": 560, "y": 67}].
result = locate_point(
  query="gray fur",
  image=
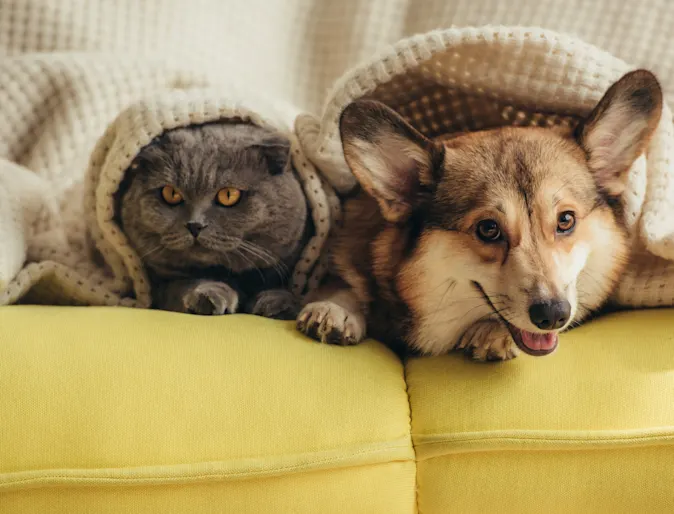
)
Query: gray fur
[{"x": 244, "y": 250}]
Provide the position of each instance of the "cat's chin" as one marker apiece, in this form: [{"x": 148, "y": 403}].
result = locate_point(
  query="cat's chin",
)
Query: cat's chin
[
  {"x": 195, "y": 253},
  {"x": 199, "y": 246},
  {"x": 205, "y": 253},
  {"x": 199, "y": 253}
]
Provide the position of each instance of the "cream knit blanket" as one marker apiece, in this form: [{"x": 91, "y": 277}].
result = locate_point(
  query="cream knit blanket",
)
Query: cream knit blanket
[
  {"x": 76, "y": 253},
  {"x": 159, "y": 65}
]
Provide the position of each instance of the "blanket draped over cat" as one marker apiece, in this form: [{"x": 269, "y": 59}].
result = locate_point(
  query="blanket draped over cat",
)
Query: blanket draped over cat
[
  {"x": 60, "y": 243},
  {"x": 83, "y": 256}
]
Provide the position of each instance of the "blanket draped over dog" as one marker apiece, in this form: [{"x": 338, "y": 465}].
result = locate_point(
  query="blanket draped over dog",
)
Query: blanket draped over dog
[{"x": 71, "y": 123}]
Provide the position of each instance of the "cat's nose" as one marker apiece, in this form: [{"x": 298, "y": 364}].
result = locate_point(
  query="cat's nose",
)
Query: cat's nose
[{"x": 195, "y": 227}]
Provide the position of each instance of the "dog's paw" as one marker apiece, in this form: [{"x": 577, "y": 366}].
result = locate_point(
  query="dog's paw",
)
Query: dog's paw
[
  {"x": 488, "y": 341},
  {"x": 329, "y": 323},
  {"x": 211, "y": 299},
  {"x": 277, "y": 304}
]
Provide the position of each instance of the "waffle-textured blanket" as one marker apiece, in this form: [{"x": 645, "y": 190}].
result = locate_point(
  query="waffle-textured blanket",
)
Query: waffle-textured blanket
[{"x": 83, "y": 87}]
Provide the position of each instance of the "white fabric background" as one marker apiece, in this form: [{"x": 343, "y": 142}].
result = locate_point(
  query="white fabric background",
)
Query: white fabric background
[{"x": 297, "y": 48}]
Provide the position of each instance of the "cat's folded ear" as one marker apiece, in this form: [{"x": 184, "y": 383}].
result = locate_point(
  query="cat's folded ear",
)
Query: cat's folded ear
[
  {"x": 150, "y": 154},
  {"x": 619, "y": 128},
  {"x": 275, "y": 148},
  {"x": 393, "y": 162}
]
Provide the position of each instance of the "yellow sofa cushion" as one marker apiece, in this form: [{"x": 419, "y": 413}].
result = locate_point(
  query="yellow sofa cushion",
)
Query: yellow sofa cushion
[
  {"x": 587, "y": 429},
  {"x": 119, "y": 410}
]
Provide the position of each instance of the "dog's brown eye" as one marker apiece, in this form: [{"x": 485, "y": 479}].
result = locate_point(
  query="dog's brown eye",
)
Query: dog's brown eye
[
  {"x": 488, "y": 231},
  {"x": 565, "y": 222}
]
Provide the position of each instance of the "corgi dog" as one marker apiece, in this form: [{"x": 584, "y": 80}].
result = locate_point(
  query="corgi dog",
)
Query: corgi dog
[{"x": 490, "y": 241}]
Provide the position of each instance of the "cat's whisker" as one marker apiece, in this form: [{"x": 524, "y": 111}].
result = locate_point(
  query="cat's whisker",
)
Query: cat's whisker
[
  {"x": 255, "y": 255},
  {"x": 151, "y": 251},
  {"x": 229, "y": 261},
  {"x": 268, "y": 257},
  {"x": 277, "y": 262},
  {"x": 256, "y": 268}
]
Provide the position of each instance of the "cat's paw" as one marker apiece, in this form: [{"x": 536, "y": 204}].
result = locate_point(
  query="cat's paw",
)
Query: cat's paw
[
  {"x": 211, "y": 299},
  {"x": 488, "y": 341},
  {"x": 329, "y": 323},
  {"x": 277, "y": 304}
]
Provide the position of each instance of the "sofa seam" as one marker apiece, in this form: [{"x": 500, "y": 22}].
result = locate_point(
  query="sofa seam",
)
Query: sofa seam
[
  {"x": 223, "y": 475},
  {"x": 665, "y": 432},
  {"x": 411, "y": 433},
  {"x": 546, "y": 443}
]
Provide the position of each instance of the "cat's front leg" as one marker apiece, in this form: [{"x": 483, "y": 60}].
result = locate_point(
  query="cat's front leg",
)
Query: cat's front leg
[
  {"x": 205, "y": 297},
  {"x": 275, "y": 303},
  {"x": 334, "y": 315}
]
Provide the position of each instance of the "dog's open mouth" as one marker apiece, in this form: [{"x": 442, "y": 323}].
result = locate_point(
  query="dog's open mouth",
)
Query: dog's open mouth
[{"x": 532, "y": 343}]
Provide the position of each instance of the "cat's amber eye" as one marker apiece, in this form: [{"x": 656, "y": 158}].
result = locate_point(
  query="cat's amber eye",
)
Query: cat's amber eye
[
  {"x": 171, "y": 195},
  {"x": 229, "y": 196}
]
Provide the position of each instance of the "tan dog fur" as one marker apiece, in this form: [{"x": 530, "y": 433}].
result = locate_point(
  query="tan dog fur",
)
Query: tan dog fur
[{"x": 411, "y": 264}]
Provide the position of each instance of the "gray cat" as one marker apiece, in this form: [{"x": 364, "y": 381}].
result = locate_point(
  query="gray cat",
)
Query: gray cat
[{"x": 218, "y": 217}]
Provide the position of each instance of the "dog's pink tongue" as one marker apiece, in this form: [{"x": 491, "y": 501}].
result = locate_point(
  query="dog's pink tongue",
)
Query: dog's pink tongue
[{"x": 538, "y": 342}]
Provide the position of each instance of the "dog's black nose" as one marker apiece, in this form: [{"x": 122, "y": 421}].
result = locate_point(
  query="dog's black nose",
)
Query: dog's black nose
[
  {"x": 195, "y": 227},
  {"x": 551, "y": 314}
]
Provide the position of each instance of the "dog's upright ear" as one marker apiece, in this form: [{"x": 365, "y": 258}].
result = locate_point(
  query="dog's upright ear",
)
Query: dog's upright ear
[
  {"x": 620, "y": 127},
  {"x": 391, "y": 160}
]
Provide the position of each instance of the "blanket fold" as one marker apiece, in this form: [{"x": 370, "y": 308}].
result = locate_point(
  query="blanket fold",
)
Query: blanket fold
[
  {"x": 467, "y": 79},
  {"x": 60, "y": 166},
  {"x": 79, "y": 253}
]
